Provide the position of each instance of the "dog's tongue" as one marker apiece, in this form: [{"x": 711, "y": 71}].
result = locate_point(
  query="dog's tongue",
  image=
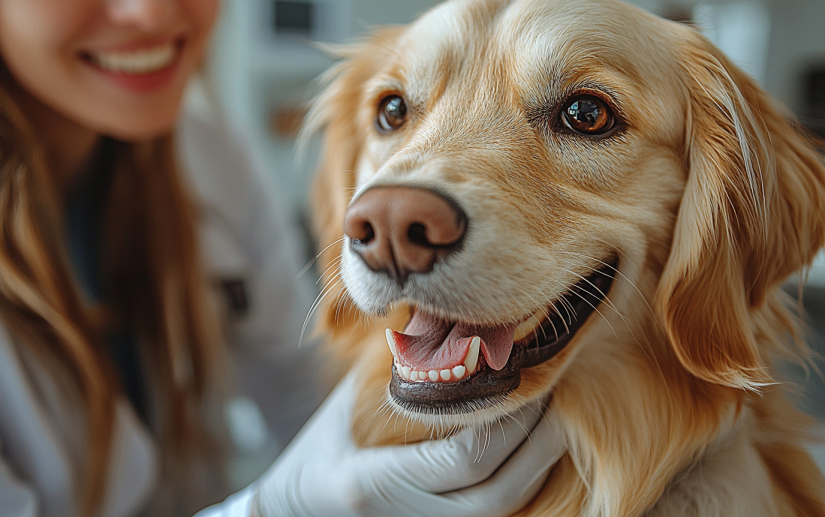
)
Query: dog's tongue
[{"x": 430, "y": 343}]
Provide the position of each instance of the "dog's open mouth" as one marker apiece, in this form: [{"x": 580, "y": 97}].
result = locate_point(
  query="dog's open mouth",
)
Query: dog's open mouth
[{"x": 455, "y": 367}]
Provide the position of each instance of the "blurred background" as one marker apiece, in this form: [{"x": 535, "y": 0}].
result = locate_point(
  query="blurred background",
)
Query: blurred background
[{"x": 263, "y": 68}]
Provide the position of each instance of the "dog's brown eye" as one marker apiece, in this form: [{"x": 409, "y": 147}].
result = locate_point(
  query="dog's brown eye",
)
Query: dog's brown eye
[
  {"x": 587, "y": 115},
  {"x": 392, "y": 113}
]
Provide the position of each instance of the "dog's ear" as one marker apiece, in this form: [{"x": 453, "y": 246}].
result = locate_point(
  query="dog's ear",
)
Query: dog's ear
[
  {"x": 336, "y": 114},
  {"x": 752, "y": 213}
]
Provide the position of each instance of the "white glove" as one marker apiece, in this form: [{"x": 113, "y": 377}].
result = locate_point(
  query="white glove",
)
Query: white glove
[{"x": 474, "y": 473}]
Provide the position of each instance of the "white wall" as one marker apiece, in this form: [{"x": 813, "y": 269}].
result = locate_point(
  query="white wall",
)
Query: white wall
[{"x": 797, "y": 40}]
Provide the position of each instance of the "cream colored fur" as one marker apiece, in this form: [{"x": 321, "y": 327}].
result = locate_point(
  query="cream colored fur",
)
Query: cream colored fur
[{"x": 710, "y": 197}]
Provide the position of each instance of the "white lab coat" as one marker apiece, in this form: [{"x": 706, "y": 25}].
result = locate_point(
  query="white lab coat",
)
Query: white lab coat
[{"x": 245, "y": 239}]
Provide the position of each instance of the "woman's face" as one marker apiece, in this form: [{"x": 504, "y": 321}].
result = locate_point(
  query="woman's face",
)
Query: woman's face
[{"x": 118, "y": 67}]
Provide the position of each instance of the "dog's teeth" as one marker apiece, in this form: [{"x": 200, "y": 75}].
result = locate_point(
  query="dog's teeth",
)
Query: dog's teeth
[
  {"x": 471, "y": 361},
  {"x": 433, "y": 375},
  {"x": 391, "y": 343},
  {"x": 445, "y": 375},
  {"x": 405, "y": 372},
  {"x": 422, "y": 376},
  {"x": 459, "y": 371}
]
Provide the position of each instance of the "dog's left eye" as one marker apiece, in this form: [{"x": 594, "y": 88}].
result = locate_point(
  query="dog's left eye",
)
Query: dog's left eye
[
  {"x": 587, "y": 115},
  {"x": 392, "y": 113}
]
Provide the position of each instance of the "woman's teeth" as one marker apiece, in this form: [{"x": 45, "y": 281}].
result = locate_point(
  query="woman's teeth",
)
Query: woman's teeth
[
  {"x": 449, "y": 374},
  {"x": 136, "y": 62}
]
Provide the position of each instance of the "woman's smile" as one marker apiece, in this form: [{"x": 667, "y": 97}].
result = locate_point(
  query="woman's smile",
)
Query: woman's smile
[
  {"x": 117, "y": 68},
  {"x": 142, "y": 67}
]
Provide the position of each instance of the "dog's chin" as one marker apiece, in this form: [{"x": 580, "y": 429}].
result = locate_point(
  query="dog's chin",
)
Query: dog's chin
[{"x": 484, "y": 393}]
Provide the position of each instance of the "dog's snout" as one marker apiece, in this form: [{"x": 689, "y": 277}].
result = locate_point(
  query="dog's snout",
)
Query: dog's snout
[{"x": 403, "y": 230}]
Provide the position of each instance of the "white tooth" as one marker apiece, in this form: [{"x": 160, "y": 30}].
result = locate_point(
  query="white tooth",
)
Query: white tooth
[
  {"x": 168, "y": 55},
  {"x": 445, "y": 375},
  {"x": 150, "y": 61},
  {"x": 433, "y": 375},
  {"x": 109, "y": 63},
  {"x": 471, "y": 361},
  {"x": 422, "y": 376},
  {"x": 391, "y": 343},
  {"x": 161, "y": 56},
  {"x": 137, "y": 62},
  {"x": 459, "y": 371},
  {"x": 129, "y": 63},
  {"x": 405, "y": 372}
]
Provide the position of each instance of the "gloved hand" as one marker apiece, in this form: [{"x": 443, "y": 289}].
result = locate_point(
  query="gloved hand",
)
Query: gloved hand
[{"x": 474, "y": 473}]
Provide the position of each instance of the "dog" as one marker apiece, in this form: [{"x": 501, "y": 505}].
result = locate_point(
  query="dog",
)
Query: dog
[{"x": 581, "y": 199}]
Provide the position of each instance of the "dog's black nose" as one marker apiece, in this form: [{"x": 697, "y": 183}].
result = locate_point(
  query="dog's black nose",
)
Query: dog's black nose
[{"x": 403, "y": 230}]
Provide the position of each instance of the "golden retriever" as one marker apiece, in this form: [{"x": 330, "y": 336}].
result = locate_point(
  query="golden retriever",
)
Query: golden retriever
[{"x": 576, "y": 197}]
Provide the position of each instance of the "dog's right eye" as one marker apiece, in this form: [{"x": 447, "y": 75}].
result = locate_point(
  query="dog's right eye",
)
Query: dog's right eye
[{"x": 392, "y": 113}]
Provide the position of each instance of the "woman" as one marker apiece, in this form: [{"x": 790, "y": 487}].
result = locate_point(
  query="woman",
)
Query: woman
[{"x": 112, "y": 356}]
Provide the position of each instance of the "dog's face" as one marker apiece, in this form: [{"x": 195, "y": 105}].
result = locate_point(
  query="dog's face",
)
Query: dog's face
[{"x": 559, "y": 141}]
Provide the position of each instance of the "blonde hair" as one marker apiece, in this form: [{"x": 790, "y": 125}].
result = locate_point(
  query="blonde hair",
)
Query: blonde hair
[{"x": 152, "y": 265}]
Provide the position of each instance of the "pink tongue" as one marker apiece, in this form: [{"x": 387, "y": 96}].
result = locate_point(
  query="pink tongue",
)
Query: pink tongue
[{"x": 430, "y": 343}]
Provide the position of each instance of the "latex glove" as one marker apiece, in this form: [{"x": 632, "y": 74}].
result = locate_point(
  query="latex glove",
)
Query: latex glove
[{"x": 475, "y": 473}]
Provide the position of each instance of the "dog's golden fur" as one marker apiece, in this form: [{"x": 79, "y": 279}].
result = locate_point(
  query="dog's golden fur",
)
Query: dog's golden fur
[{"x": 711, "y": 197}]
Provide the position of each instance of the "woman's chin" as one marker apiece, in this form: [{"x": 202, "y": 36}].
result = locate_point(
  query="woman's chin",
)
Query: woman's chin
[{"x": 136, "y": 132}]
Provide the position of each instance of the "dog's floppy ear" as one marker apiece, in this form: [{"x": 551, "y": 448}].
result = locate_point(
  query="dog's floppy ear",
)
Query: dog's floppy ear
[
  {"x": 752, "y": 213},
  {"x": 335, "y": 112}
]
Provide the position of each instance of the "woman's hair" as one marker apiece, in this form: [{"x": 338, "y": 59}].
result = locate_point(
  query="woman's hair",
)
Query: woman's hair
[{"x": 153, "y": 272}]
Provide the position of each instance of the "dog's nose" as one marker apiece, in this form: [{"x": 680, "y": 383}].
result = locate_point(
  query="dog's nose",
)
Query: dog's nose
[{"x": 403, "y": 230}]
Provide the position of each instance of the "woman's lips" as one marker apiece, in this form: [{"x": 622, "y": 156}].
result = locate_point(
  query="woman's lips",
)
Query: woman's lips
[{"x": 141, "y": 69}]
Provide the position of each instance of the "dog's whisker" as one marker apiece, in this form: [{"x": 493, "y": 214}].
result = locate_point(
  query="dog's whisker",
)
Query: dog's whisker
[
  {"x": 599, "y": 312},
  {"x": 338, "y": 302},
  {"x": 312, "y": 262},
  {"x": 570, "y": 310},
  {"x": 336, "y": 263},
  {"x": 320, "y": 298},
  {"x": 610, "y": 305},
  {"x": 546, "y": 314},
  {"x": 556, "y": 309},
  {"x": 591, "y": 284},
  {"x": 617, "y": 272},
  {"x": 518, "y": 422},
  {"x": 628, "y": 322}
]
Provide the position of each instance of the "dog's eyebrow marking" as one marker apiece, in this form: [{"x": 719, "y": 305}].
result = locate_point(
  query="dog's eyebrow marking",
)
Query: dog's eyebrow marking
[
  {"x": 555, "y": 97},
  {"x": 385, "y": 86}
]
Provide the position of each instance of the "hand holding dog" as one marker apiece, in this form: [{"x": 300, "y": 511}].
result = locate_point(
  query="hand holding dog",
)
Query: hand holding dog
[{"x": 477, "y": 472}]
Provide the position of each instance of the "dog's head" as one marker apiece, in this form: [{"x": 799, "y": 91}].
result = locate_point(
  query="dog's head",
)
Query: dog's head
[{"x": 551, "y": 190}]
